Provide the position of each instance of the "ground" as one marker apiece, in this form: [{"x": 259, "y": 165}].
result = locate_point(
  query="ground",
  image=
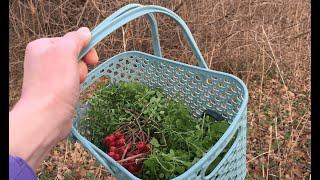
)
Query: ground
[{"x": 265, "y": 43}]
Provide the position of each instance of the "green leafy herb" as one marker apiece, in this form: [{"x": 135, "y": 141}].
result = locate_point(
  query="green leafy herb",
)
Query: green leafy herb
[{"x": 178, "y": 139}]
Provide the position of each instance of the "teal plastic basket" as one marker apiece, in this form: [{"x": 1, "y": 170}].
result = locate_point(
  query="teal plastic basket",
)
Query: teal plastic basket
[{"x": 200, "y": 88}]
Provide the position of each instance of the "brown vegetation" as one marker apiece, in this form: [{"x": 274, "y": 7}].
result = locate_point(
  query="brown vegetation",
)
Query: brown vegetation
[{"x": 265, "y": 43}]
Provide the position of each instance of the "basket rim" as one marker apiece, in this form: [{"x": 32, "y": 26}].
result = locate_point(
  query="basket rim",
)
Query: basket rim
[{"x": 215, "y": 150}]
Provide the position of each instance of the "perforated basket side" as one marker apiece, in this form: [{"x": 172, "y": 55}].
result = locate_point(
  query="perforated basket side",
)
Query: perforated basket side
[{"x": 200, "y": 89}]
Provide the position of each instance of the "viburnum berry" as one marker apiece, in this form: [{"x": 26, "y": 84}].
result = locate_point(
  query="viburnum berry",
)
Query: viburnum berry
[
  {"x": 131, "y": 168},
  {"x": 118, "y": 135},
  {"x": 112, "y": 149},
  {"x": 120, "y": 150},
  {"x": 109, "y": 140},
  {"x": 114, "y": 156},
  {"x": 134, "y": 168},
  {"x": 142, "y": 147},
  {"x": 120, "y": 142}
]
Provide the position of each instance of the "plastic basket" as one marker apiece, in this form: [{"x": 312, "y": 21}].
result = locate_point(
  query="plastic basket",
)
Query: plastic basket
[{"x": 200, "y": 88}]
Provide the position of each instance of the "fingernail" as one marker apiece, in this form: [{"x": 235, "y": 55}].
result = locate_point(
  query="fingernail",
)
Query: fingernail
[{"x": 84, "y": 31}]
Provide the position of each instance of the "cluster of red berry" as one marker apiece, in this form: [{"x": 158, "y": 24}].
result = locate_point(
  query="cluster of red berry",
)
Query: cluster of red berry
[{"x": 129, "y": 155}]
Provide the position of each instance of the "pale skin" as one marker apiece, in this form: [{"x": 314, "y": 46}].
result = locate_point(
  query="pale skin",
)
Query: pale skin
[{"x": 52, "y": 75}]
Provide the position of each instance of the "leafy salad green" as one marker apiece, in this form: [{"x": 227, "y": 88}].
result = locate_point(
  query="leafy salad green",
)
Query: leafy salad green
[{"x": 178, "y": 140}]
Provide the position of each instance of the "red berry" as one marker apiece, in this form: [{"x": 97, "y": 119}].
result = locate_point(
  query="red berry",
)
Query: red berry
[
  {"x": 117, "y": 157},
  {"x": 147, "y": 148},
  {"x": 109, "y": 139},
  {"x": 112, "y": 149},
  {"x": 120, "y": 150},
  {"x": 118, "y": 135},
  {"x": 142, "y": 147},
  {"x": 131, "y": 168},
  {"x": 137, "y": 167},
  {"x": 114, "y": 156},
  {"x": 112, "y": 143},
  {"x": 121, "y": 142},
  {"x": 134, "y": 168}
]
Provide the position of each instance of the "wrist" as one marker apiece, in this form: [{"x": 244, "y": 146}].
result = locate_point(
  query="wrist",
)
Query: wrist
[{"x": 38, "y": 133}]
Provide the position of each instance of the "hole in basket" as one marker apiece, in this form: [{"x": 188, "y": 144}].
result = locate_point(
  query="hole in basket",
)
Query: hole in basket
[
  {"x": 225, "y": 115},
  {"x": 135, "y": 65},
  {"x": 145, "y": 62},
  {"x": 120, "y": 60},
  {"x": 198, "y": 173},
  {"x": 122, "y": 75},
  {"x": 197, "y": 77},
  {"x": 111, "y": 64},
  {"x": 214, "y": 163},
  {"x": 194, "y": 81},
  {"x": 209, "y": 81},
  {"x": 93, "y": 77},
  {"x": 102, "y": 70},
  {"x": 233, "y": 89},
  {"x": 118, "y": 66},
  {"x": 115, "y": 73},
  {"x": 131, "y": 70},
  {"x": 226, "y": 81},
  {"x": 109, "y": 71}
]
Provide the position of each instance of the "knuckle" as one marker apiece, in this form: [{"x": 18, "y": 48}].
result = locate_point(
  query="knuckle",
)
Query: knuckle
[{"x": 31, "y": 45}]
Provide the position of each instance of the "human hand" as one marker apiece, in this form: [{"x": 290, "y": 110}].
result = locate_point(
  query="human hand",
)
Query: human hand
[{"x": 51, "y": 84}]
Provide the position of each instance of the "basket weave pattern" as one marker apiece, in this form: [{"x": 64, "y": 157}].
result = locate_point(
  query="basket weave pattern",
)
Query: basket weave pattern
[{"x": 198, "y": 89}]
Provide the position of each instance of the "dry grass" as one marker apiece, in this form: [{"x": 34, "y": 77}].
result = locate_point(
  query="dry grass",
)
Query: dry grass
[{"x": 266, "y": 43}]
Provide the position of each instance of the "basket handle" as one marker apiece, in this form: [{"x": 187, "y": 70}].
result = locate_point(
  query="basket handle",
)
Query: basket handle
[
  {"x": 152, "y": 20},
  {"x": 106, "y": 28}
]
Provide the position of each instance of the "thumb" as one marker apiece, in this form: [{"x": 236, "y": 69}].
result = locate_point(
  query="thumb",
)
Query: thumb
[{"x": 77, "y": 40}]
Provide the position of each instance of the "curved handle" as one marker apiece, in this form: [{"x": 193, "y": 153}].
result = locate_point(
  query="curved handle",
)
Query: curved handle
[
  {"x": 122, "y": 18},
  {"x": 151, "y": 19}
]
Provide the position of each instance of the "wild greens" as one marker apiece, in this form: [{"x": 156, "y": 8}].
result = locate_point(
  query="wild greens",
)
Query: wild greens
[{"x": 178, "y": 139}]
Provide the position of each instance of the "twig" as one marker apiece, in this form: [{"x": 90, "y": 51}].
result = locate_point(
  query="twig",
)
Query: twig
[
  {"x": 125, "y": 150},
  {"x": 279, "y": 71},
  {"x": 268, "y": 159},
  {"x": 132, "y": 157},
  {"x": 257, "y": 156},
  {"x": 84, "y": 7}
]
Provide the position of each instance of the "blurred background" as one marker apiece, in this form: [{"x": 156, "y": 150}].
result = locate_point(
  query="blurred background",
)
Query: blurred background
[{"x": 264, "y": 42}]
